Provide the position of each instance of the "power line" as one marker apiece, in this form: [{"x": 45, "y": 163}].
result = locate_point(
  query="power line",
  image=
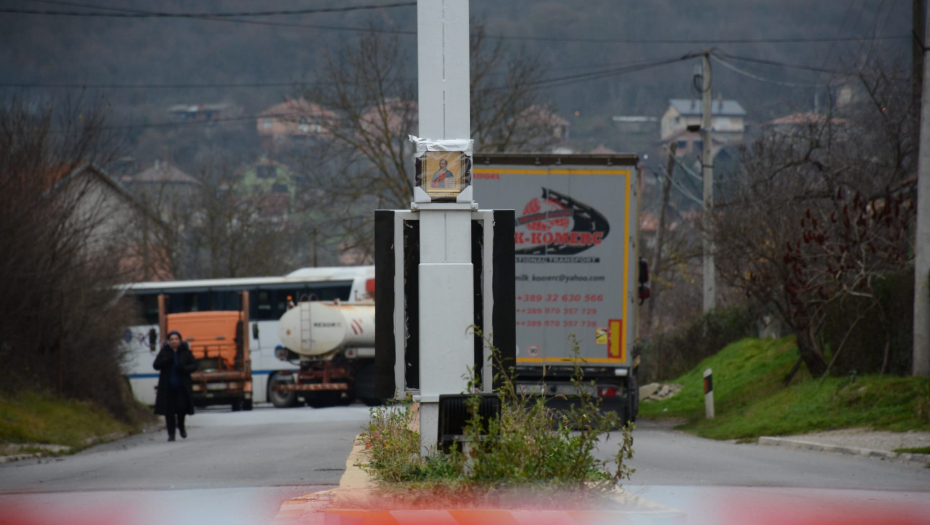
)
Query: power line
[
  {"x": 239, "y": 20},
  {"x": 91, "y": 85},
  {"x": 591, "y": 40},
  {"x": 776, "y": 63},
  {"x": 799, "y": 40},
  {"x": 745, "y": 73},
  {"x": 591, "y": 75},
  {"x": 163, "y": 14},
  {"x": 596, "y": 75},
  {"x": 684, "y": 191}
]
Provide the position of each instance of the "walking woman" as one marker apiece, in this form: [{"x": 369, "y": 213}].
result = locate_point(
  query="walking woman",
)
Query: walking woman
[{"x": 174, "y": 399}]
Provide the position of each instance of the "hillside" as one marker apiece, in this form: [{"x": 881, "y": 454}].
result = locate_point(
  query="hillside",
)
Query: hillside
[
  {"x": 76, "y": 50},
  {"x": 750, "y": 400}
]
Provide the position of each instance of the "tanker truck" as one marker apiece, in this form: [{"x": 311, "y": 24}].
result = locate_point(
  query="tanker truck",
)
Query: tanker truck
[{"x": 334, "y": 344}]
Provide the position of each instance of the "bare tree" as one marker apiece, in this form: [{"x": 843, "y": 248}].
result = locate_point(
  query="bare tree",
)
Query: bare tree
[
  {"x": 61, "y": 324},
  {"x": 820, "y": 213},
  {"x": 232, "y": 232},
  {"x": 364, "y": 103}
]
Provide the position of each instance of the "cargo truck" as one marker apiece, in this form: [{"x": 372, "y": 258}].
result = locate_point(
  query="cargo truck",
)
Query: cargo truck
[
  {"x": 221, "y": 347},
  {"x": 576, "y": 266}
]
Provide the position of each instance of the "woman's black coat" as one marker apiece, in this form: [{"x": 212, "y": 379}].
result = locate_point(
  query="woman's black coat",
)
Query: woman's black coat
[{"x": 186, "y": 364}]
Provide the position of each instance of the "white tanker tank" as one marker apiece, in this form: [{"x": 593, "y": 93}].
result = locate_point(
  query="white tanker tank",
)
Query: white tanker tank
[{"x": 314, "y": 329}]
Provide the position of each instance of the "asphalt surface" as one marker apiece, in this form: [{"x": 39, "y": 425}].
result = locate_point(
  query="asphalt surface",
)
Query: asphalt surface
[
  {"x": 666, "y": 457},
  {"x": 266, "y": 447},
  {"x": 236, "y": 468}
]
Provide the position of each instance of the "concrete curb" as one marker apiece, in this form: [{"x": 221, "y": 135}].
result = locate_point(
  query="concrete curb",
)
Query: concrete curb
[
  {"x": 50, "y": 451},
  {"x": 921, "y": 459}
]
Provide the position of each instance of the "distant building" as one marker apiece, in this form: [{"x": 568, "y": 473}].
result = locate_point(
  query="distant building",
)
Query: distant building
[
  {"x": 160, "y": 174},
  {"x": 691, "y": 143},
  {"x": 400, "y": 117},
  {"x": 271, "y": 185},
  {"x": 115, "y": 218},
  {"x": 797, "y": 122},
  {"x": 199, "y": 112},
  {"x": 294, "y": 119},
  {"x": 602, "y": 150},
  {"x": 636, "y": 125},
  {"x": 728, "y": 119},
  {"x": 539, "y": 115},
  {"x": 162, "y": 187}
]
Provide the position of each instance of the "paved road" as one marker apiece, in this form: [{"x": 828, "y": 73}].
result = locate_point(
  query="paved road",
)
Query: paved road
[
  {"x": 718, "y": 483},
  {"x": 665, "y": 457},
  {"x": 263, "y": 448},
  {"x": 237, "y": 467}
]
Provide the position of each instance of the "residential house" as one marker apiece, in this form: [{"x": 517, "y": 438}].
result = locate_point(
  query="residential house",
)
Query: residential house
[
  {"x": 602, "y": 150},
  {"x": 399, "y": 117},
  {"x": 294, "y": 118},
  {"x": 636, "y": 125},
  {"x": 272, "y": 185},
  {"x": 541, "y": 116},
  {"x": 199, "y": 112},
  {"x": 114, "y": 220},
  {"x": 728, "y": 120},
  {"x": 161, "y": 184},
  {"x": 798, "y": 122}
]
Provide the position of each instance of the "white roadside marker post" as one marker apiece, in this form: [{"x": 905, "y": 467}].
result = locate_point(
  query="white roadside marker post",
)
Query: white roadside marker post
[{"x": 708, "y": 394}]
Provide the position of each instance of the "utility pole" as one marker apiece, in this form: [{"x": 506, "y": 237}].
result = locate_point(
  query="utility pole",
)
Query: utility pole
[
  {"x": 707, "y": 162},
  {"x": 660, "y": 234},
  {"x": 921, "y": 353}
]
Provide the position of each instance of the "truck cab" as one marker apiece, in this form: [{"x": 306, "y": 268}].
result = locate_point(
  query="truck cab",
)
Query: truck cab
[{"x": 221, "y": 347}]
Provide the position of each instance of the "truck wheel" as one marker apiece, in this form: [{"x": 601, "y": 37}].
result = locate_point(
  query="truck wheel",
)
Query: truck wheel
[
  {"x": 247, "y": 405},
  {"x": 237, "y": 405},
  {"x": 373, "y": 401},
  {"x": 280, "y": 399},
  {"x": 626, "y": 412}
]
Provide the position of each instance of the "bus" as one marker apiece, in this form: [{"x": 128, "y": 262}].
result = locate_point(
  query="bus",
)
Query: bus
[{"x": 269, "y": 297}]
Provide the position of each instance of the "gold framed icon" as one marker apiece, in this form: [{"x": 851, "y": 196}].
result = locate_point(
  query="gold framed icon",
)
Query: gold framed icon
[{"x": 443, "y": 174}]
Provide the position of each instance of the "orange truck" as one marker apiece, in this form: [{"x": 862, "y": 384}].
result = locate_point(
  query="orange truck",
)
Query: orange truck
[{"x": 221, "y": 347}]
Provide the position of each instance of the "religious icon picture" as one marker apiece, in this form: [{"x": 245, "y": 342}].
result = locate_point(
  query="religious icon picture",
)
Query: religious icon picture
[{"x": 443, "y": 174}]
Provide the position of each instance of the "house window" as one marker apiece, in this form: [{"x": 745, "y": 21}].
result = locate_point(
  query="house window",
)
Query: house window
[
  {"x": 267, "y": 123},
  {"x": 279, "y": 188},
  {"x": 682, "y": 144},
  {"x": 698, "y": 144},
  {"x": 265, "y": 171}
]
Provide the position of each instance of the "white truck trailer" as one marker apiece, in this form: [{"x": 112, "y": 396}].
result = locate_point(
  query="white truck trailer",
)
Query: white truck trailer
[{"x": 576, "y": 269}]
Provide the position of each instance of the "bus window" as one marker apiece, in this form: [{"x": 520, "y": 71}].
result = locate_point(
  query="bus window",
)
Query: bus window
[
  {"x": 148, "y": 307},
  {"x": 329, "y": 293},
  {"x": 264, "y": 307},
  {"x": 224, "y": 301},
  {"x": 188, "y": 302}
]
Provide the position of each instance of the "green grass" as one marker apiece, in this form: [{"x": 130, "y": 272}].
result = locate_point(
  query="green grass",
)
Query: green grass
[
  {"x": 31, "y": 417},
  {"x": 914, "y": 450},
  {"x": 751, "y": 402}
]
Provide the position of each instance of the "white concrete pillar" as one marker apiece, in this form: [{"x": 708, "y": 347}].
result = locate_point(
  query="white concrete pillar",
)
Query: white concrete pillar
[{"x": 446, "y": 273}]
